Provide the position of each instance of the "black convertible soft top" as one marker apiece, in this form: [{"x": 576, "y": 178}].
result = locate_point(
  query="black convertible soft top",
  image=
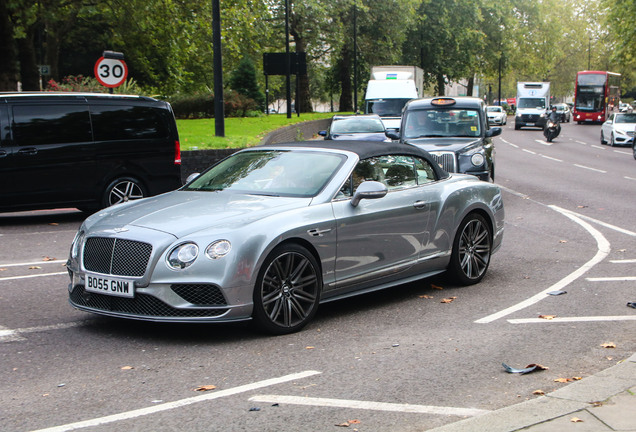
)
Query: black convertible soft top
[{"x": 367, "y": 149}]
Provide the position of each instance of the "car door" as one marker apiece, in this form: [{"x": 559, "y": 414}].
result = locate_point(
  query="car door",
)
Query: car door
[
  {"x": 50, "y": 159},
  {"x": 381, "y": 239}
]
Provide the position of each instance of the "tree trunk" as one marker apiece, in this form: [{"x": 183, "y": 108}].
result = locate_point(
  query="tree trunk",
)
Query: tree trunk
[
  {"x": 8, "y": 65},
  {"x": 29, "y": 72},
  {"x": 303, "y": 95},
  {"x": 471, "y": 85},
  {"x": 441, "y": 83}
]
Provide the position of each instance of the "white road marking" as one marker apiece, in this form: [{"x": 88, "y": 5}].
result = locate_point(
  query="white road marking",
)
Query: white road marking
[
  {"x": 612, "y": 279},
  {"x": 625, "y": 261},
  {"x": 545, "y": 143},
  {"x": 32, "y": 276},
  {"x": 598, "y": 147},
  {"x": 529, "y": 151},
  {"x": 180, "y": 403},
  {"x": 630, "y": 178},
  {"x": 581, "y": 142},
  {"x": 623, "y": 152},
  {"x": 551, "y": 158},
  {"x": 603, "y": 249},
  {"x": 573, "y": 319},
  {"x": 377, "y": 406},
  {"x": 11, "y": 335},
  {"x": 60, "y": 262},
  {"x": 589, "y": 168},
  {"x": 606, "y": 225}
]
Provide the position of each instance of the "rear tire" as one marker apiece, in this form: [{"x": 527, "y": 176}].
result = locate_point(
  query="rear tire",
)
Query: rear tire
[{"x": 472, "y": 248}]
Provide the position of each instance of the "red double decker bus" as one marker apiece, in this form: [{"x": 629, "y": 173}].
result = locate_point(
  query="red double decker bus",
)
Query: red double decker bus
[{"x": 596, "y": 95}]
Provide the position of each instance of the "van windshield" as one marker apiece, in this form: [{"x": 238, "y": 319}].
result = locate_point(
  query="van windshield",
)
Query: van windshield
[
  {"x": 531, "y": 103},
  {"x": 386, "y": 107}
]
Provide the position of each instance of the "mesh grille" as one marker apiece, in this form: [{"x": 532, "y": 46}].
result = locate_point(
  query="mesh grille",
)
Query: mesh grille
[
  {"x": 200, "y": 294},
  {"x": 116, "y": 256},
  {"x": 446, "y": 160},
  {"x": 143, "y": 305}
]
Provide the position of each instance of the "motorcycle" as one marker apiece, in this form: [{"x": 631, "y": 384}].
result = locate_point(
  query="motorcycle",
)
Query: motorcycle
[{"x": 551, "y": 130}]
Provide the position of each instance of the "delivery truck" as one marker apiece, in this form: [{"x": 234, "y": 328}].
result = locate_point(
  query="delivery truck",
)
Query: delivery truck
[
  {"x": 533, "y": 104},
  {"x": 389, "y": 89}
]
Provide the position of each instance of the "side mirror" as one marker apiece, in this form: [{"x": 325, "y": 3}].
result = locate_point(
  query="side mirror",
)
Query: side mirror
[
  {"x": 192, "y": 177},
  {"x": 393, "y": 135},
  {"x": 493, "y": 132},
  {"x": 322, "y": 133},
  {"x": 368, "y": 190}
]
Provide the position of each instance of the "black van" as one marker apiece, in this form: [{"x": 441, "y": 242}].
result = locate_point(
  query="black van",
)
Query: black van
[{"x": 85, "y": 150}]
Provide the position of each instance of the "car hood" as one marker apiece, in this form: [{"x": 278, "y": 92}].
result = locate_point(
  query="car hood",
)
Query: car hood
[
  {"x": 360, "y": 136},
  {"x": 180, "y": 213},
  {"x": 453, "y": 144},
  {"x": 625, "y": 127}
]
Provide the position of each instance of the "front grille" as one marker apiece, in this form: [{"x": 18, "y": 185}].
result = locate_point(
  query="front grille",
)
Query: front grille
[
  {"x": 200, "y": 294},
  {"x": 530, "y": 118},
  {"x": 446, "y": 160},
  {"x": 116, "y": 256},
  {"x": 142, "y": 305}
]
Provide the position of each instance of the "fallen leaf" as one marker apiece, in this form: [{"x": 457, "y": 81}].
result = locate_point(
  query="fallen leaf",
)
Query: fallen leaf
[
  {"x": 577, "y": 378},
  {"x": 422, "y": 296},
  {"x": 49, "y": 259},
  {"x": 581, "y": 206},
  {"x": 127, "y": 368},
  {"x": 205, "y": 387},
  {"x": 345, "y": 424},
  {"x": 348, "y": 423},
  {"x": 436, "y": 287},
  {"x": 34, "y": 267},
  {"x": 563, "y": 380},
  {"x": 54, "y": 224},
  {"x": 609, "y": 345},
  {"x": 547, "y": 317},
  {"x": 354, "y": 422},
  {"x": 563, "y": 241},
  {"x": 538, "y": 392},
  {"x": 310, "y": 347},
  {"x": 448, "y": 300},
  {"x": 576, "y": 420},
  {"x": 3, "y": 269}
]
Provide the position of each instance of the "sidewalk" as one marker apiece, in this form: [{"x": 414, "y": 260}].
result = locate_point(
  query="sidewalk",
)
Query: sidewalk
[{"x": 604, "y": 402}]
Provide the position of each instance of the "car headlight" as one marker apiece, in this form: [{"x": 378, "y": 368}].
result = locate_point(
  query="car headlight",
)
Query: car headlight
[
  {"x": 218, "y": 249},
  {"x": 542, "y": 115},
  {"x": 477, "y": 159},
  {"x": 518, "y": 114},
  {"x": 76, "y": 246},
  {"x": 182, "y": 256}
]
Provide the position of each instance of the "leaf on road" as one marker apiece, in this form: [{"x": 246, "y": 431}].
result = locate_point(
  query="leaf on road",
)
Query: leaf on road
[
  {"x": 205, "y": 387},
  {"x": 530, "y": 368},
  {"x": 562, "y": 380},
  {"x": 425, "y": 296},
  {"x": 34, "y": 267},
  {"x": 3, "y": 269},
  {"x": 348, "y": 423},
  {"x": 54, "y": 224},
  {"x": 547, "y": 317},
  {"x": 576, "y": 420},
  {"x": 310, "y": 347},
  {"x": 538, "y": 392},
  {"x": 448, "y": 300},
  {"x": 608, "y": 345},
  {"x": 563, "y": 241},
  {"x": 436, "y": 287},
  {"x": 49, "y": 259},
  {"x": 127, "y": 368}
]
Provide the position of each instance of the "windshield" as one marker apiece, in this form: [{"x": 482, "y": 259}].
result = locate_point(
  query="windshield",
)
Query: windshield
[
  {"x": 531, "y": 103},
  {"x": 386, "y": 107},
  {"x": 357, "y": 125},
  {"x": 590, "y": 98},
  {"x": 493, "y": 109},
  {"x": 625, "y": 118},
  {"x": 442, "y": 123},
  {"x": 271, "y": 172}
]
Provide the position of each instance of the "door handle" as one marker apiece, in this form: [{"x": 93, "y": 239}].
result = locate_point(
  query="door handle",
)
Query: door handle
[
  {"x": 29, "y": 151},
  {"x": 3, "y": 153},
  {"x": 420, "y": 204}
]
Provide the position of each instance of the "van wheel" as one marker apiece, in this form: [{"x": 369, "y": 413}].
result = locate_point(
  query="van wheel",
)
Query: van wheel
[{"x": 123, "y": 190}]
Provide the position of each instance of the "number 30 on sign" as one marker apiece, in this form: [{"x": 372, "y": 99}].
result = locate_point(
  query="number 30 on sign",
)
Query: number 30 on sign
[{"x": 111, "y": 72}]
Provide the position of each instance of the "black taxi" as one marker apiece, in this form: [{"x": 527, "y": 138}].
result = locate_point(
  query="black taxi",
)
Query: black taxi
[{"x": 454, "y": 130}]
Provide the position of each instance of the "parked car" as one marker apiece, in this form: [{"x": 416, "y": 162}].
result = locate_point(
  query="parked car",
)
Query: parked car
[
  {"x": 272, "y": 231},
  {"x": 368, "y": 127},
  {"x": 496, "y": 115},
  {"x": 454, "y": 130},
  {"x": 624, "y": 107},
  {"x": 85, "y": 150},
  {"x": 564, "y": 112},
  {"x": 618, "y": 129}
]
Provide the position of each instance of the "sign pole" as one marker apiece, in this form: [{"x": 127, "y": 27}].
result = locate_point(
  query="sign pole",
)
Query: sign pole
[{"x": 219, "y": 108}]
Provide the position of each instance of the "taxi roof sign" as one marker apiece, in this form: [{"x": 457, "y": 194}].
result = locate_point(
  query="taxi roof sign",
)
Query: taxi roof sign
[{"x": 443, "y": 102}]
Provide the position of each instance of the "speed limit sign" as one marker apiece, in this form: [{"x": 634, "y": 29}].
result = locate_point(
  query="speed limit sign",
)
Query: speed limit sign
[{"x": 111, "y": 72}]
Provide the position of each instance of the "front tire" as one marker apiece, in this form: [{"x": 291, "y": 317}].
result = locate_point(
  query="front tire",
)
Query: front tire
[
  {"x": 472, "y": 248},
  {"x": 612, "y": 143},
  {"x": 287, "y": 290}
]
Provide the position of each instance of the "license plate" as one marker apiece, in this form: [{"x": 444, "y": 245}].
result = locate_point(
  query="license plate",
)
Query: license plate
[
  {"x": 110, "y": 286},
  {"x": 529, "y": 124}
]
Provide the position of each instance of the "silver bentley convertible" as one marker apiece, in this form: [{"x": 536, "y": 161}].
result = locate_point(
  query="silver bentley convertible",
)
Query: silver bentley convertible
[{"x": 270, "y": 232}]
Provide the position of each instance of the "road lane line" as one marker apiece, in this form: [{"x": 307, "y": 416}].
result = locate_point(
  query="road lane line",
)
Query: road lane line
[
  {"x": 11, "y": 335},
  {"x": 551, "y": 158},
  {"x": 376, "y": 406},
  {"x": 598, "y": 147},
  {"x": 32, "y": 276},
  {"x": 573, "y": 319},
  {"x": 606, "y": 225},
  {"x": 529, "y": 151},
  {"x": 581, "y": 142},
  {"x": 625, "y": 261},
  {"x": 545, "y": 143},
  {"x": 623, "y": 152},
  {"x": 33, "y": 263},
  {"x": 179, "y": 403},
  {"x": 612, "y": 279},
  {"x": 630, "y": 178},
  {"x": 589, "y": 168},
  {"x": 603, "y": 249}
]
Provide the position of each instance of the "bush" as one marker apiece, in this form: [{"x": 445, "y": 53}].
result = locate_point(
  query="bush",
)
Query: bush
[
  {"x": 77, "y": 83},
  {"x": 202, "y": 105}
]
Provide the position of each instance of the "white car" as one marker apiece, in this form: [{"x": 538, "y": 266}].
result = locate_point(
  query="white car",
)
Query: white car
[
  {"x": 619, "y": 129},
  {"x": 496, "y": 115}
]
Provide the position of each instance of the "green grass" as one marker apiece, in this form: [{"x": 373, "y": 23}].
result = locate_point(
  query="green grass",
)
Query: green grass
[{"x": 239, "y": 132}]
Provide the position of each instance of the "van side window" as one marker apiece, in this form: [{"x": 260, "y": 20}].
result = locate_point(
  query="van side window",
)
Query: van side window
[
  {"x": 50, "y": 124},
  {"x": 126, "y": 122}
]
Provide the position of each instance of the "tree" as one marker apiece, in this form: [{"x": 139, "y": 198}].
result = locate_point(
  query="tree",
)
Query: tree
[{"x": 243, "y": 81}]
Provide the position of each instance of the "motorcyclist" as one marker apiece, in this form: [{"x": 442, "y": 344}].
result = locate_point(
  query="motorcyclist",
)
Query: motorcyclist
[{"x": 553, "y": 117}]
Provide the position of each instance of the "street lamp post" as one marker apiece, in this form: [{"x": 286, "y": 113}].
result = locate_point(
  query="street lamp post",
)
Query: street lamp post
[{"x": 219, "y": 109}]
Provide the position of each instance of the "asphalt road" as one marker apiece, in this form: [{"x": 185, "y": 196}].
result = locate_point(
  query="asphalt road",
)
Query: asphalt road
[{"x": 397, "y": 360}]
